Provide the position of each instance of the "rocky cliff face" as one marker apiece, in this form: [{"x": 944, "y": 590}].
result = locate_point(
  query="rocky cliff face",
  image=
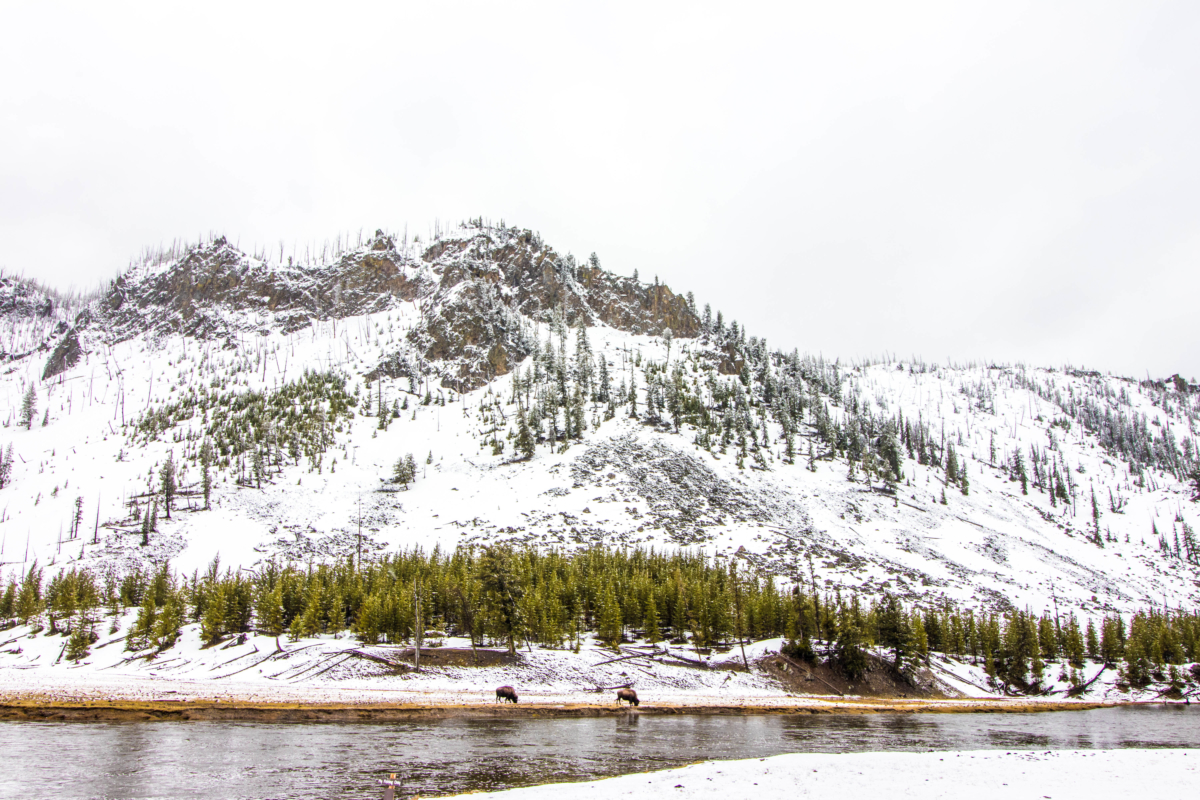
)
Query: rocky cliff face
[
  {"x": 216, "y": 290},
  {"x": 477, "y": 289},
  {"x": 539, "y": 280},
  {"x": 22, "y": 298},
  {"x": 31, "y": 318},
  {"x": 491, "y": 280}
]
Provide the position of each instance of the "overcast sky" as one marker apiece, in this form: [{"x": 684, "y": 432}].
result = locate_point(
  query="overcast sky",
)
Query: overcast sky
[{"x": 1005, "y": 181}]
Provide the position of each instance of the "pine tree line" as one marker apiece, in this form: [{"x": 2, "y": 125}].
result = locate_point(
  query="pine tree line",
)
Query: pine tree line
[{"x": 516, "y": 597}]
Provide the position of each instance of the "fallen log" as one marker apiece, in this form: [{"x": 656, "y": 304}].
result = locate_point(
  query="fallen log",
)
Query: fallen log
[
  {"x": 621, "y": 658},
  {"x": 693, "y": 661},
  {"x": 1081, "y": 689}
]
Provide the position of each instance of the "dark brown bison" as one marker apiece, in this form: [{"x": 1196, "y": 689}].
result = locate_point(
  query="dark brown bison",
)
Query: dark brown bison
[
  {"x": 628, "y": 695},
  {"x": 506, "y": 693}
]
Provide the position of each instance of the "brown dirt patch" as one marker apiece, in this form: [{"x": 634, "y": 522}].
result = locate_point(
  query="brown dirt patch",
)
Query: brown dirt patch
[
  {"x": 455, "y": 657},
  {"x": 882, "y": 680}
]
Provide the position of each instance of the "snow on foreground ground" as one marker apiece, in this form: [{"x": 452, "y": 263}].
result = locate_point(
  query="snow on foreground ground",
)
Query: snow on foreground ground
[{"x": 1092, "y": 774}]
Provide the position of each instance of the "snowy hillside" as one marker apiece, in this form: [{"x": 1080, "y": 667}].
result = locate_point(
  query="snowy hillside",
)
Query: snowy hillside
[{"x": 297, "y": 387}]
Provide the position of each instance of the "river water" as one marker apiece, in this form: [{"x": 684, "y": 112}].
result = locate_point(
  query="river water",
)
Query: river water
[{"x": 244, "y": 760}]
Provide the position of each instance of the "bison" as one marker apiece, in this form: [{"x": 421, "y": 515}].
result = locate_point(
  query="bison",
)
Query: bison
[
  {"x": 628, "y": 695},
  {"x": 506, "y": 694}
]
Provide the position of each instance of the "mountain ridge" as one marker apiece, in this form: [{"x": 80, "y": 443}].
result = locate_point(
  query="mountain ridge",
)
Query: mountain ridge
[{"x": 809, "y": 469}]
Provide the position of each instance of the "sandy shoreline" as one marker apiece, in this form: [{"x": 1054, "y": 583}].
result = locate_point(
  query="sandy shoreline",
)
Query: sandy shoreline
[{"x": 40, "y": 708}]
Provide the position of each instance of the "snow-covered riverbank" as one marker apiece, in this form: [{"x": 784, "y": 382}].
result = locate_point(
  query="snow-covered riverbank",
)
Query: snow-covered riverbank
[
  {"x": 1091, "y": 774},
  {"x": 341, "y": 671}
]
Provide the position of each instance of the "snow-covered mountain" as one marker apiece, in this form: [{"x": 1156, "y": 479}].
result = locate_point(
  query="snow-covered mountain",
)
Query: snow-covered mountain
[{"x": 296, "y": 388}]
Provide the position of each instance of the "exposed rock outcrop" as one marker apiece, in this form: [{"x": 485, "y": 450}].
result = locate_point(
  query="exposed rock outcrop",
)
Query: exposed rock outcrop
[
  {"x": 480, "y": 290},
  {"x": 66, "y": 355}
]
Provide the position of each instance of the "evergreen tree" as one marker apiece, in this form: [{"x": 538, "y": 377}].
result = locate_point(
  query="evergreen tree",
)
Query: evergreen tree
[
  {"x": 166, "y": 481},
  {"x": 29, "y": 406},
  {"x": 920, "y": 639},
  {"x": 141, "y": 633},
  {"x": 524, "y": 444},
  {"x": 169, "y": 621},
  {"x": 894, "y": 630},
  {"x": 29, "y": 603},
  {"x": 79, "y": 644},
  {"x": 583, "y": 357},
  {"x": 371, "y": 621},
  {"x": 6, "y": 465},
  {"x": 77, "y": 517},
  {"x": 1074, "y": 648},
  {"x": 650, "y": 623},
  {"x": 1062, "y": 487},
  {"x": 503, "y": 592},
  {"x": 404, "y": 471},
  {"x": 206, "y": 462},
  {"x": 848, "y": 652},
  {"x": 609, "y": 626},
  {"x": 308, "y": 623},
  {"x": 1037, "y": 667},
  {"x": 951, "y": 464},
  {"x": 603, "y": 381},
  {"x": 212, "y": 621},
  {"x": 890, "y": 455},
  {"x": 149, "y": 522},
  {"x": 271, "y": 611}
]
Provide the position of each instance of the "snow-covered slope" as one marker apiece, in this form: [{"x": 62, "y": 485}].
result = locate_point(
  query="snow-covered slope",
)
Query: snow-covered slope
[{"x": 461, "y": 338}]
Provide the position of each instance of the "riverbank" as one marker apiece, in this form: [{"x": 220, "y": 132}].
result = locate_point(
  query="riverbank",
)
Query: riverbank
[
  {"x": 35, "y": 707},
  {"x": 260, "y": 677},
  {"x": 1094, "y": 774}
]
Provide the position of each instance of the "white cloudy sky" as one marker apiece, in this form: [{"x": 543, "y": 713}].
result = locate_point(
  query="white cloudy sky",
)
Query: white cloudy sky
[{"x": 1006, "y": 181}]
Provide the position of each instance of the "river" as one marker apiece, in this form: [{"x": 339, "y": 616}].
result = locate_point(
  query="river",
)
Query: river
[{"x": 242, "y": 760}]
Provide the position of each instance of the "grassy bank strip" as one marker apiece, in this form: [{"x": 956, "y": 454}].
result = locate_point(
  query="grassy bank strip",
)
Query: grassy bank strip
[{"x": 40, "y": 710}]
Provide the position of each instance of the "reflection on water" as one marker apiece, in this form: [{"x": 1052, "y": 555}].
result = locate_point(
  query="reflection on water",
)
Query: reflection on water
[{"x": 228, "y": 760}]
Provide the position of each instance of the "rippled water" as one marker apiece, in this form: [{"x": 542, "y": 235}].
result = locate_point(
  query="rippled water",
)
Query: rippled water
[{"x": 237, "y": 760}]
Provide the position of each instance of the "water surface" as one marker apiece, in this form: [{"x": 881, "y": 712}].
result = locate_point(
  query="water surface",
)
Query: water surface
[{"x": 245, "y": 760}]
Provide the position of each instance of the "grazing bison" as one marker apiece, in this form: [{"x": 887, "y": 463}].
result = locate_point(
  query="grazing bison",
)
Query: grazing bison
[
  {"x": 506, "y": 693},
  {"x": 628, "y": 695}
]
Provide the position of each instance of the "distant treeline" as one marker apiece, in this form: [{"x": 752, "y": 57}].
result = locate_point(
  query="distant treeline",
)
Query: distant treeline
[{"x": 516, "y": 597}]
